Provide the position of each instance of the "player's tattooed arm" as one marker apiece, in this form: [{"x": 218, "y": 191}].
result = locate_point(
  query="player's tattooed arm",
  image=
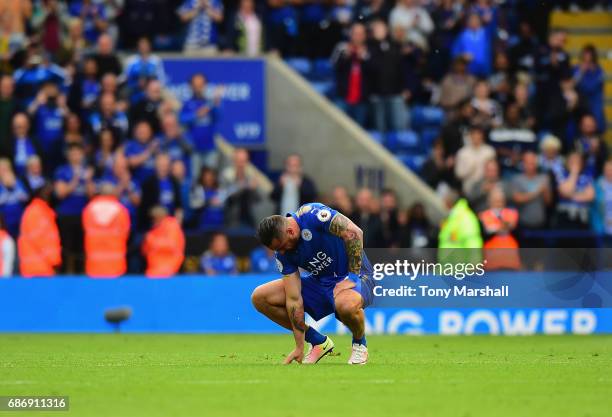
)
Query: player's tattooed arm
[
  {"x": 295, "y": 308},
  {"x": 352, "y": 235},
  {"x": 297, "y": 319}
]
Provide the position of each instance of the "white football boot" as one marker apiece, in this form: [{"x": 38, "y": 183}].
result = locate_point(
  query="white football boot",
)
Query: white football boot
[{"x": 359, "y": 356}]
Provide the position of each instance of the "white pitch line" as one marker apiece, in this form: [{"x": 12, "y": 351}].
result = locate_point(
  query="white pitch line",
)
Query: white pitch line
[
  {"x": 266, "y": 381},
  {"x": 17, "y": 382}
]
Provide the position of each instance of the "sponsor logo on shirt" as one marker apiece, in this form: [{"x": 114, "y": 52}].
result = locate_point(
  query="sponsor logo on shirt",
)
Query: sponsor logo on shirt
[
  {"x": 304, "y": 210},
  {"x": 319, "y": 262}
]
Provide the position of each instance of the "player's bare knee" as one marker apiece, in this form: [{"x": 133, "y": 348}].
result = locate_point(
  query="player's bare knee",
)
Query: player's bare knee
[
  {"x": 347, "y": 306},
  {"x": 258, "y": 298}
]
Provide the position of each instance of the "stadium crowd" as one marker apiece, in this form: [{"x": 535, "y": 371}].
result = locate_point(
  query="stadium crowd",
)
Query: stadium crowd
[{"x": 94, "y": 143}]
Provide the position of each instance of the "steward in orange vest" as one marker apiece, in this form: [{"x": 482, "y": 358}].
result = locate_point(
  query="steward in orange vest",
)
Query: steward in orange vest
[
  {"x": 38, "y": 243},
  {"x": 106, "y": 223},
  {"x": 164, "y": 245},
  {"x": 500, "y": 248}
]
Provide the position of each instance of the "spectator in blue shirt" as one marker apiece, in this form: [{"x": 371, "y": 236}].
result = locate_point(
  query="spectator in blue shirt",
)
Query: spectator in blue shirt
[
  {"x": 474, "y": 45},
  {"x": 208, "y": 201},
  {"x": 200, "y": 115},
  {"x": 108, "y": 117},
  {"x": 49, "y": 111},
  {"x": 73, "y": 186},
  {"x": 281, "y": 27},
  {"x": 218, "y": 259},
  {"x": 86, "y": 88},
  {"x": 93, "y": 16},
  {"x": 603, "y": 206},
  {"x": 160, "y": 189},
  {"x": 576, "y": 192},
  {"x": 140, "y": 152},
  {"x": 73, "y": 182},
  {"x": 263, "y": 261},
  {"x": 22, "y": 146},
  {"x": 104, "y": 158},
  {"x": 203, "y": 16},
  {"x": 141, "y": 68},
  {"x": 13, "y": 197},
  {"x": 175, "y": 143},
  {"x": 488, "y": 16},
  {"x": 128, "y": 191},
  {"x": 34, "y": 179},
  {"x": 589, "y": 78},
  {"x": 33, "y": 76},
  {"x": 590, "y": 145}
]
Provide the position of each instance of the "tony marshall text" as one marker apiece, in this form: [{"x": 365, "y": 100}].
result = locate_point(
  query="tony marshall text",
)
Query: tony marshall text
[{"x": 426, "y": 291}]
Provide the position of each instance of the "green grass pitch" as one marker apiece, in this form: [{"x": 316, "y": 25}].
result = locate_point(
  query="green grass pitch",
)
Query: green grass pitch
[{"x": 116, "y": 375}]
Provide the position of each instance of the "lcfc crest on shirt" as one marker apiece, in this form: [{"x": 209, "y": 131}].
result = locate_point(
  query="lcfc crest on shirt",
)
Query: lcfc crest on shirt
[{"x": 306, "y": 235}]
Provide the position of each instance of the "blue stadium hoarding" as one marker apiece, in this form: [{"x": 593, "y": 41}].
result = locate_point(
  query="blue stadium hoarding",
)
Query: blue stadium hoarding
[
  {"x": 195, "y": 304},
  {"x": 242, "y": 115}
]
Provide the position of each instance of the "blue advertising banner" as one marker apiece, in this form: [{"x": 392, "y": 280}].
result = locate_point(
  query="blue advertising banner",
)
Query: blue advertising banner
[
  {"x": 242, "y": 110},
  {"x": 222, "y": 305}
]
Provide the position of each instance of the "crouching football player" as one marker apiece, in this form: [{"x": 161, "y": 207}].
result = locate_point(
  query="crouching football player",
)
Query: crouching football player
[{"x": 329, "y": 247}]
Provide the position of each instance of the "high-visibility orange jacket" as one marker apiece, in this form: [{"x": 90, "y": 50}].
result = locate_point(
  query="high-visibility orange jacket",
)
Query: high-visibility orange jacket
[
  {"x": 164, "y": 248},
  {"x": 39, "y": 241},
  {"x": 106, "y": 223},
  {"x": 500, "y": 251}
]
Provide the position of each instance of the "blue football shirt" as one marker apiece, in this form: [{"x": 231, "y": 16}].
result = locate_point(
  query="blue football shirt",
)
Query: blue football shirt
[{"x": 319, "y": 252}]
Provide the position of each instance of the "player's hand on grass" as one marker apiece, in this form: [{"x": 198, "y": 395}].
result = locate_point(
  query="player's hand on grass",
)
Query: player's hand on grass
[{"x": 297, "y": 355}]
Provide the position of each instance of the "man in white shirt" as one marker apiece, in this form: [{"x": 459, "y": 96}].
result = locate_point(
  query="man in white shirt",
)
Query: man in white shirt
[
  {"x": 472, "y": 158},
  {"x": 413, "y": 20}
]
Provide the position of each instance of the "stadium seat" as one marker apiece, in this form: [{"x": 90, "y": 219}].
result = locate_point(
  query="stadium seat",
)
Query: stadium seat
[
  {"x": 300, "y": 65},
  {"x": 377, "y": 136},
  {"x": 404, "y": 140},
  {"x": 412, "y": 161},
  {"x": 323, "y": 87},
  {"x": 426, "y": 116},
  {"x": 322, "y": 70}
]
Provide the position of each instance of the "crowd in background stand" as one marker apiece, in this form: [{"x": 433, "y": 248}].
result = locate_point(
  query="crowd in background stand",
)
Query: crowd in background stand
[{"x": 523, "y": 126}]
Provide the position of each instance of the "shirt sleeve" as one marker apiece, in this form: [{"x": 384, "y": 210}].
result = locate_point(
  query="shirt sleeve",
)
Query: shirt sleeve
[
  {"x": 318, "y": 217},
  {"x": 135, "y": 188},
  {"x": 206, "y": 263},
  {"x": 284, "y": 265},
  {"x": 130, "y": 150},
  {"x": 61, "y": 175}
]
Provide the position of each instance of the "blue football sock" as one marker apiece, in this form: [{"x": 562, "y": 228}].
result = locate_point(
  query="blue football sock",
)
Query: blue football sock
[
  {"x": 313, "y": 337},
  {"x": 360, "y": 341}
]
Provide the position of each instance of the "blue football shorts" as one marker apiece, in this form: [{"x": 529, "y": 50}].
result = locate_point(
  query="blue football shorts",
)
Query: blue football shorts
[{"x": 318, "y": 291}]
